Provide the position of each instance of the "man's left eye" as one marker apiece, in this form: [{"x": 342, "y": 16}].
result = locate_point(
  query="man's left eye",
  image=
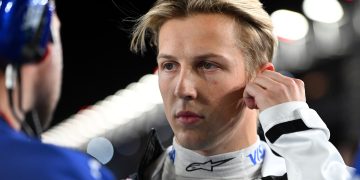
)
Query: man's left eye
[{"x": 207, "y": 65}]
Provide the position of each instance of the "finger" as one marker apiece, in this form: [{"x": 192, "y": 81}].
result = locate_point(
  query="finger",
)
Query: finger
[
  {"x": 250, "y": 103},
  {"x": 265, "y": 82},
  {"x": 252, "y": 91},
  {"x": 301, "y": 88},
  {"x": 299, "y": 82},
  {"x": 281, "y": 79},
  {"x": 294, "y": 88},
  {"x": 276, "y": 76}
]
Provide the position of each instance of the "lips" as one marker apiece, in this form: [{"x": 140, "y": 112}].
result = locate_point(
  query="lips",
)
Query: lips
[{"x": 188, "y": 117}]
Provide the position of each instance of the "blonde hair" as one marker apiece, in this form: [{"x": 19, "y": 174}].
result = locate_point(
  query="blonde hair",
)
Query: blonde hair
[{"x": 255, "y": 35}]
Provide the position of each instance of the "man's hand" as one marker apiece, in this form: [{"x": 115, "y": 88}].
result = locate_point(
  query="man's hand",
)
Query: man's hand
[{"x": 270, "y": 88}]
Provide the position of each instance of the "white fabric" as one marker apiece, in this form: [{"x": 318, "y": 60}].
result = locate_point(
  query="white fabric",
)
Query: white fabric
[
  {"x": 308, "y": 154},
  {"x": 242, "y": 164},
  {"x": 304, "y": 154}
]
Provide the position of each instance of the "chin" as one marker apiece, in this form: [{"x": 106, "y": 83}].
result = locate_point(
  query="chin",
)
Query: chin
[
  {"x": 192, "y": 142},
  {"x": 45, "y": 117},
  {"x": 45, "y": 105},
  {"x": 44, "y": 111}
]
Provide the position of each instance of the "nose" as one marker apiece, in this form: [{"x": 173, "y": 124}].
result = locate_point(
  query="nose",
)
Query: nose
[{"x": 186, "y": 85}]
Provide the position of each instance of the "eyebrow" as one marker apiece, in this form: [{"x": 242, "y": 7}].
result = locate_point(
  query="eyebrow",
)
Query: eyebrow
[
  {"x": 165, "y": 56},
  {"x": 202, "y": 56}
]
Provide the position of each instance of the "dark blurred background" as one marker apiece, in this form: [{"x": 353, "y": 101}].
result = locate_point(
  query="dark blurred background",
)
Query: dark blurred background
[{"x": 97, "y": 60}]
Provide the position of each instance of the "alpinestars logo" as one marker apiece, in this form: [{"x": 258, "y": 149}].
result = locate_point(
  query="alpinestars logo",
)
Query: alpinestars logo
[{"x": 206, "y": 166}]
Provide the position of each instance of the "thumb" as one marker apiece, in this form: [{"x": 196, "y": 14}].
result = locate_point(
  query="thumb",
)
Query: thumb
[
  {"x": 249, "y": 100},
  {"x": 249, "y": 92}
]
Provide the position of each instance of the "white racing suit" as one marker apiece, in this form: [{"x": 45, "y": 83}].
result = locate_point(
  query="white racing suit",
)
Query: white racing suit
[{"x": 292, "y": 130}]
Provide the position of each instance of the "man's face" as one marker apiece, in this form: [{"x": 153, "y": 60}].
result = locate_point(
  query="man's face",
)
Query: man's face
[
  {"x": 201, "y": 78},
  {"x": 50, "y": 76}
]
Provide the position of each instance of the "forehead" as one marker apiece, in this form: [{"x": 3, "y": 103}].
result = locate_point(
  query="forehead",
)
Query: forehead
[
  {"x": 207, "y": 23},
  {"x": 198, "y": 32}
]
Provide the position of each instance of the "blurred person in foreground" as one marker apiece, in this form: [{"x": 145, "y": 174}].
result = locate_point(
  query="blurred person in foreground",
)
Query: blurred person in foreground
[
  {"x": 357, "y": 165},
  {"x": 30, "y": 81},
  {"x": 217, "y": 80}
]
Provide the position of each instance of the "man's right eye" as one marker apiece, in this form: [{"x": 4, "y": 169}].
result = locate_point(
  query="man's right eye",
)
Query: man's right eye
[{"x": 169, "y": 66}]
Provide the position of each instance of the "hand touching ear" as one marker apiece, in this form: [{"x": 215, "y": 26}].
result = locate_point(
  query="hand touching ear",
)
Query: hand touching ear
[{"x": 270, "y": 88}]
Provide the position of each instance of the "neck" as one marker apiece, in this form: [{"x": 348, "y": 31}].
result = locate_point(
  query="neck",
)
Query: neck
[{"x": 245, "y": 134}]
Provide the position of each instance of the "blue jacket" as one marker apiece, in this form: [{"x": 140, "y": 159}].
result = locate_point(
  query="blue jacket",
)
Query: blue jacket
[
  {"x": 23, "y": 157},
  {"x": 357, "y": 164}
]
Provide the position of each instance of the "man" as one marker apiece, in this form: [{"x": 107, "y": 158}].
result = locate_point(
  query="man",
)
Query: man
[
  {"x": 215, "y": 76},
  {"x": 30, "y": 80},
  {"x": 357, "y": 166}
]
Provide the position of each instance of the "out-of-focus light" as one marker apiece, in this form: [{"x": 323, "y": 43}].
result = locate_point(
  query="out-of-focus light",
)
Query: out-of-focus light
[
  {"x": 289, "y": 25},
  {"x": 101, "y": 149},
  {"x": 328, "y": 40},
  {"x": 8, "y": 7},
  {"x": 325, "y": 11},
  {"x": 115, "y": 111},
  {"x": 293, "y": 56},
  {"x": 356, "y": 20}
]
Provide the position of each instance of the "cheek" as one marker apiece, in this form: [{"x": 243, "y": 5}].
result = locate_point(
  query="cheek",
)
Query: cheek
[
  {"x": 165, "y": 92},
  {"x": 215, "y": 83},
  {"x": 226, "y": 96},
  {"x": 163, "y": 87},
  {"x": 166, "y": 84}
]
